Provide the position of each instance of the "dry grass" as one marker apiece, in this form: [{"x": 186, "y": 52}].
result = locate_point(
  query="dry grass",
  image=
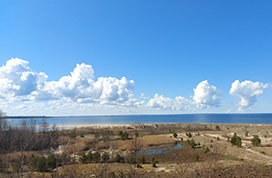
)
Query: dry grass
[
  {"x": 156, "y": 140},
  {"x": 151, "y": 140},
  {"x": 102, "y": 145},
  {"x": 121, "y": 145},
  {"x": 11, "y": 157},
  {"x": 75, "y": 148},
  {"x": 79, "y": 145}
]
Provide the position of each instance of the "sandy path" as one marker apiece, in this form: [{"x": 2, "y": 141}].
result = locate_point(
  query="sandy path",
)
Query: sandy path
[{"x": 248, "y": 155}]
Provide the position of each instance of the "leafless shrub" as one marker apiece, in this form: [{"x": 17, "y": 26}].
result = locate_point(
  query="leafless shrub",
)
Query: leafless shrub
[{"x": 75, "y": 148}]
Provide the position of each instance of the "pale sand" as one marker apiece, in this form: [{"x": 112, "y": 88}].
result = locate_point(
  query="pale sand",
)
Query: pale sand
[{"x": 94, "y": 126}]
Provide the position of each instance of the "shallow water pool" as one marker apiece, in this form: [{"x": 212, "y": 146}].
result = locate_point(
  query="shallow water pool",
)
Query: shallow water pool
[{"x": 159, "y": 150}]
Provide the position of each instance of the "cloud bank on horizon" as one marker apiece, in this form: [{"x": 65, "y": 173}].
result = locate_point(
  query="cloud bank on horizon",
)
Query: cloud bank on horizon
[{"x": 19, "y": 83}]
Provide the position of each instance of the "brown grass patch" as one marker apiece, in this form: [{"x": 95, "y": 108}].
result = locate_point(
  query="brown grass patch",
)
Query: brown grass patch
[
  {"x": 11, "y": 157},
  {"x": 156, "y": 140},
  {"x": 121, "y": 145},
  {"x": 75, "y": 148},
  {"x": 150, "y": 140},
  {"x": 102, "y": 145}
]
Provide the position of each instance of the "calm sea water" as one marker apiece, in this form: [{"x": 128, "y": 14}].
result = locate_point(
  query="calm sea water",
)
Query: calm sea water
[{"x": 145, "y": 119}]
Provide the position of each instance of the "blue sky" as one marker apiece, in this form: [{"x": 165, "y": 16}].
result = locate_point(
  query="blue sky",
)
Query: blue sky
[{"x": 135, "y": 57}]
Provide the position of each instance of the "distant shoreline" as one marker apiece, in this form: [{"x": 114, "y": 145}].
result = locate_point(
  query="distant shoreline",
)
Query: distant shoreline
[
  {"x": 118, "y": 115},
  {"x": 146, "y": 119},
  {"x": 26, "y": 117}
]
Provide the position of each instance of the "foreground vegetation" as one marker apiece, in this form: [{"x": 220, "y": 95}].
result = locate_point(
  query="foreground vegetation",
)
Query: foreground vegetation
[{"x": 208, "y": 150}]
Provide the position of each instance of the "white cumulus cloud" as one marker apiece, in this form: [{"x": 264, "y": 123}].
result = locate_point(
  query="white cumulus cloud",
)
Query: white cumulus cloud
[
  {"x": 247, "y": 91},
  {"x": 206, "y": 95},
  {"x": 20, "y": 83},
  {"x": 164, "y": 103},
  {"x": 80, "y": 87},
  {"x": 17, "y": 79}
]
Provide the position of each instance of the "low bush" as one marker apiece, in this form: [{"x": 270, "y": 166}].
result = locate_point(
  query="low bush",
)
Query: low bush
[
  {"x": 189, "y": 135},
  {"x": 83, "y": 158},
  {"x": 105, "y": 157},
  {"x": 96, "y": 157},
  {"x": 123, "y": 135},
  {"x": 119, "y": 159},
  {"x": 72, "y": 134},
  {"x": 141, "y": 159},
  {"x": 41, "y": 165},
  {"x": 192, "y": 143},
  {"x": 130, "y": 159},
  {"x": 154, "y": 162},
  {"x": 51, "y": 161},
  {"x": 196, "y": 157},
  {"x": 256, "y": 141},
  {"x": 235, "y": 140},
  {"x": 246, "y": 134}
]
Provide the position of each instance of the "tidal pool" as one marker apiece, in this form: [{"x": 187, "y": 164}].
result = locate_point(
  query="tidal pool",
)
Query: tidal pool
[{"x": 159, "y": 150}]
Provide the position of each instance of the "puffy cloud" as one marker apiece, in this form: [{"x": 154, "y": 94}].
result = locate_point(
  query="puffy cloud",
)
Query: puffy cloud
[
  {"x": 164, "y": 103},
  {"x": 20, "y": 83},
  {"x": 17, "y": 79},
  {"x": 80, "y": 87},
  {"x": 247, "y": 91},
  {"x": 206, "y": 95}
]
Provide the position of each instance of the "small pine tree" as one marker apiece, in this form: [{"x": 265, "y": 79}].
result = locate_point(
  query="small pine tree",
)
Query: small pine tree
[
  {"x": 96, "y": 157},
  {"x": 51, "y": 161},
  {"x": 192, "y": 143},
  {"x": 119, "y": 159},
  {"x": 235, "y": 140},
  {"x": 175, "y": 135},
  {"x": 123, "y": 135},
  {"x": 131, "y": 159},
  {"x": 141, "y": 159},
  {"x": 189, "y": 135},
  {"x": 89, "y": 156},
  {"x": 207, "y": 150},
  {"x": 256, "y": 141},
  {"x": 41, "y": 165},
  {"x": 72, "y": 134},
  {"x": 83, "y": 158},
  {"x": 154, "y": 162},
  {"x": 196, "y": 157},
  {"x": 105, "y": 157},
  {"x": 32, "y": 162},
  {"x": 246, "y": 134},
  {"x": 138, "y": 166}
]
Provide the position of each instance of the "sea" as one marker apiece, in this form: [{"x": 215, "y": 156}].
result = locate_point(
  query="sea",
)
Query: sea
[{"x": 65, "y": 121}]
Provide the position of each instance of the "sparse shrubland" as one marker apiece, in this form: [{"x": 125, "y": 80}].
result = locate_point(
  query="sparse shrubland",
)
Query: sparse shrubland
[{"x": 117, "y": 151}]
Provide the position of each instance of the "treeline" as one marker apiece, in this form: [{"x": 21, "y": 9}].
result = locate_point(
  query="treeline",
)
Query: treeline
[{"x": 28, "y": 136}]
